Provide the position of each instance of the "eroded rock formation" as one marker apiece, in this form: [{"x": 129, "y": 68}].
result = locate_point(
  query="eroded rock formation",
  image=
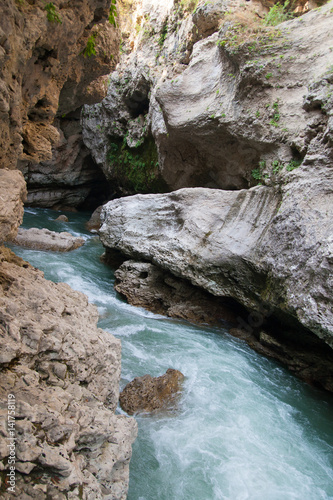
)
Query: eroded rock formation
[
  {"x": 44, "y": 80},
  {"x": 44, "y": 239},
  {"x": 150, "y": 394},
  {"x": 270, "y": 253},
  {"x": 149, "y": 286}
]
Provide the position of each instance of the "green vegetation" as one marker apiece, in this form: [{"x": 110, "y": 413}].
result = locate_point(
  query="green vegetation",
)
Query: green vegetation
[
  {"x": 113, "y": 13},
  {"x": 135, "y": 169},
  {"x": 163, "y": 34},
  {"x": 276, "y": 116},
  {"x": 90, "y": 49},
  {"x": 189, "y": 5},
  {"x": 276, "y": 167},
  {"x": 51, "y": 13},
  {"x": 277, "y": 14},
  {"x": 293, "y": 164}
]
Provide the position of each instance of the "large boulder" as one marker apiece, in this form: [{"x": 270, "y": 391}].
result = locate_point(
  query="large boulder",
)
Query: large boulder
[
  {"x": 265, "y": 248},
  {"x": 150, "y": 394}
]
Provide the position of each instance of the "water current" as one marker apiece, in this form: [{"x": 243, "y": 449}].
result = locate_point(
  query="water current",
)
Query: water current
[{"x": 245, "y": 429}]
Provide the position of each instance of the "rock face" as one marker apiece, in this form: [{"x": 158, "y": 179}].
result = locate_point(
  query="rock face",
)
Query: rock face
[
  {"x": 224, "y": 97},
  {"x": 269, "y": 251},
  {"x": 47, "y": 74},
  {"x": 59, "y": 383},
  {"x": 44, "y": 239},
  {"x": 149, "y": 286},
  {"x": 12, "y": 194},
  {"x": 64, "y": 373},
  {"x": 150, "y": 394}
]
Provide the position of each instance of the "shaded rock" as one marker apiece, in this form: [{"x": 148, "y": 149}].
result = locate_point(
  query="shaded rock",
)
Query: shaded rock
[
  {"x": 148, "y": 394},
  {"x": 12, "y": 194},
  {"x": 149, "y": 286},
  {"x": 94, "y": 223},
  {"x": 305, "y": 358},
  {"x": 62, "y": 218},
  {"x": 63, "y": 374},
  {"x": 44, "y": 239}
]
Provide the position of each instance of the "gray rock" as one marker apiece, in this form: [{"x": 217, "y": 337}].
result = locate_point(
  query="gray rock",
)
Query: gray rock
[
  {"x": 251, "y": 245},
  {"x": 44, "y": 239}
]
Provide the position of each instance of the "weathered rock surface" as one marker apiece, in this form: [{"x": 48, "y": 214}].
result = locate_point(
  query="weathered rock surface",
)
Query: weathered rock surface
[
  {"x": 94, "y": 223},
  {"x": 150, "y": 394},
  {"x": 12, "y": 194},
  {"x": 64, "y": 373},
  {"x": 268, "y": 250},
  {"x": 221, "y": 94},
  {"x": 44, "y": 239},
  {"x": 149, "y": 286},
  {"x": 44, "y": 74}
]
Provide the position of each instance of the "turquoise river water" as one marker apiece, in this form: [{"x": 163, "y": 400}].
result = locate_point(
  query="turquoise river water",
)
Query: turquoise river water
[{"x": 245, "y": 429}]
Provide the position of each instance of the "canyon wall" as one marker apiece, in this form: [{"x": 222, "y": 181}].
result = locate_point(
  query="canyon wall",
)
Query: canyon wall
[
  {"x": 46, "y": 76},
  {"x": 59, "y": 378}
]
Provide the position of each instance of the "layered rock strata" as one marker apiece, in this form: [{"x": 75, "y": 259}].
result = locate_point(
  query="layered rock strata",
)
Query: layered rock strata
[
  {"x": 64, "y": 374},
  {"x": 59, "y": 384},
  {"x": 159, "y": 291}
]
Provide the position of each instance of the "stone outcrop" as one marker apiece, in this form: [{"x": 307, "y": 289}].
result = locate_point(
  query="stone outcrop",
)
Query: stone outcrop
[
  {"x": 46, "y": 75},
  {"x": 64, "y": 373},
  {"x": 230, "y": 102},
  {"x": 224, "y": 97},
  {"x": 44, "y": 239},
  {"x": 12, "y": 194},
  {"x": 270, "y": 251},
  {"x": 157, "y": 290},
  {"x": 149, "y": 394}
]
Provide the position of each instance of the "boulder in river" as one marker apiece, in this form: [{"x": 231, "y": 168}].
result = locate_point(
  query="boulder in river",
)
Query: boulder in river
[
  {"x": 44, "y": 239},
  {"x": 62, "y": 218},
  {"x": 147, "y": 393}
]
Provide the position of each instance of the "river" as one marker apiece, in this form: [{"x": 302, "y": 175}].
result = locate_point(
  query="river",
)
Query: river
[{"x": 245, "y": 429}]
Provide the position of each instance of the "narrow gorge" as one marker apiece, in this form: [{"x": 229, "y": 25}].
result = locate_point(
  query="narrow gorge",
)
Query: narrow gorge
[{"x": 203, "y": 134}]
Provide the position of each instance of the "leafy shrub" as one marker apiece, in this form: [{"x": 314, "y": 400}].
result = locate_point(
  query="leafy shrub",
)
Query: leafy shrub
[
  {"x": 90, "y": 49},
  {"x": 51, "y": 13},
  {"x": 277, "y": 14},
  {"x": 113, "y": 13}
]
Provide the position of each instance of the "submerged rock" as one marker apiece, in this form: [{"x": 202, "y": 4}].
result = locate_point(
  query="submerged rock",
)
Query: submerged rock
[
  {"x": 148, "y": 394},
  {"x": 44, "y": 239},
  {"x": 62, "y": 218}
]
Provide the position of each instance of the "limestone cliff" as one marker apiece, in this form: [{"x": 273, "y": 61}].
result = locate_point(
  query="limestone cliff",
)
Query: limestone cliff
[{"x": 46, "y": 75}]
